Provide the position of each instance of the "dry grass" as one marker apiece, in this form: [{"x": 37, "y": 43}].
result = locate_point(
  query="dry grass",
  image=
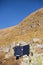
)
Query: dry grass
[
  {"x": 30, "y": 27},
  {"x": 10, "y": 61}
]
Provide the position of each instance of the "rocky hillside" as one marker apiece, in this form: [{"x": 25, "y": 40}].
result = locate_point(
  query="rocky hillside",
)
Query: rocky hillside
[{"x": 31, "y": 27}]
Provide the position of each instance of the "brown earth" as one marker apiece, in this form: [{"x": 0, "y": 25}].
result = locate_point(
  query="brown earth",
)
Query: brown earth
[{"x": 9, "y": 61}]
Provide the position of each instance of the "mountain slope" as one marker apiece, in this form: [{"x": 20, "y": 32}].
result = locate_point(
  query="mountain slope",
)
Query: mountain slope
[{"x": 30, "y": 27}]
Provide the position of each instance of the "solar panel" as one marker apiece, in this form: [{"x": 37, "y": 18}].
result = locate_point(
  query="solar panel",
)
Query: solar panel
[
  {"x": 18, "y": 51},
  {"x": 26, "y": 50},
  {"x": 21, "y": 50}
]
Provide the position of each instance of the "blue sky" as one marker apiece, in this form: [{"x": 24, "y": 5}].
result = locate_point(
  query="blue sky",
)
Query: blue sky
[{"x": 12, "y": 12}]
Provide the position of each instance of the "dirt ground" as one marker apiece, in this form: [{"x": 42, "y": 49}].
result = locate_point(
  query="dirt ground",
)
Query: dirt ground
[{"x": 10, "y": 61}]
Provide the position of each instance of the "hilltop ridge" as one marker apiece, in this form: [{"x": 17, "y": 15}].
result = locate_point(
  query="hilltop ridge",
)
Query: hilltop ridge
[{"x": 31, "y": 27}]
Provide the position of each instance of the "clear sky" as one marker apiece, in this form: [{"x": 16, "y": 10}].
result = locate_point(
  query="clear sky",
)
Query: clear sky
[{"x": 12, "y": 12}]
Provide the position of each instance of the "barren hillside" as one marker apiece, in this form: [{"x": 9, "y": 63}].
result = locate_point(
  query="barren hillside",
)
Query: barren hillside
[{"x": 30, "y": 27}]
